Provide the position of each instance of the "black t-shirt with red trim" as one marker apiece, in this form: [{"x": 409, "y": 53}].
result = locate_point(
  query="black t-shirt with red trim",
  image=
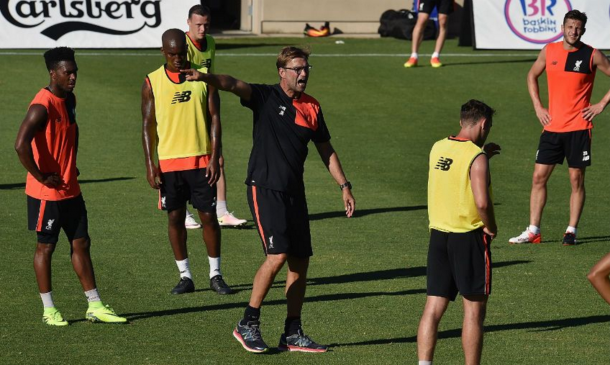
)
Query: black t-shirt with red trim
[{"x": 282, "y": 129}]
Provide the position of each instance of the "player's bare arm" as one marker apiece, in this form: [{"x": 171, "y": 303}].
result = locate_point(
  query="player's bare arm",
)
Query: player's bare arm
[
  {"x": 331, "y": 160},
  {"x": 149, "y": 136},
  {"x": 602, "y": 64},
  {"x": 479, "y": 180},
  {"x": 34, "y": 121},
  {"x": 221, "y": 82},
  {"x": 213, "y": 170},
  {"x": 532, "y": 86}
]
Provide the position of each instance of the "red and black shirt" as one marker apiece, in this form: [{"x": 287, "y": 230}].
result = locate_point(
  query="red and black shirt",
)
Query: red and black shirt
[{"x": 282, "y": 129}]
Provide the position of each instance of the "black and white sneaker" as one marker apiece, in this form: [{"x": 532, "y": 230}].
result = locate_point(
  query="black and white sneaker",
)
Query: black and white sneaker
[
  {"x": 300, "y": 342},
  {"x": 219, "y": 286},
  {"x": 569, "y": 239},
  {"x": 249, "y": 335},
  {"x": 185, "y": 285}
]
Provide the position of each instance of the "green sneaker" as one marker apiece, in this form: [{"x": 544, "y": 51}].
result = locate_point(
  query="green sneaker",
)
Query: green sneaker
[
  {"x": 52, "y": 317},
  {"x": 99, "y": 313}
]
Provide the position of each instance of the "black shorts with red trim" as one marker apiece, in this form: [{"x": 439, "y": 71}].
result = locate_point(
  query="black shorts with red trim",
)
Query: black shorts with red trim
[
  {"x": 575, "y": 147},
  {"x": 178, "y": 187},
  {"x": 48, "y": 218},
  {"x": 443, "y": 6},
  {"x": 282, "y": 220},
  {"x": 459, "y": 262}
]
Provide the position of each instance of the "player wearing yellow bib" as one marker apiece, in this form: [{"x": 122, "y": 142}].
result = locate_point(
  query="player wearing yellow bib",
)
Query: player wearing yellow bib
[
  {"x": 462, "y": 225},
  {"x": 180, "y": 122},
  {"x": 202, "y": 53}
]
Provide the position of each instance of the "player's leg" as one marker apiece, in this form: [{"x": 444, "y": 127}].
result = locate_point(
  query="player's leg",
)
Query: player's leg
[
  {"x": 417, "y": 38},
  {"x": 577, "y": 198},
  {"x": 472, "y": 330},
  {"x": 538, "y": 196},
  {"x": 428, "y": 326},
  {"x": 43, "y": 217},
  {"x": 225, "y": 218},
  {"x": 440, "y": 40},
  {"x": 598, "y": 276}
]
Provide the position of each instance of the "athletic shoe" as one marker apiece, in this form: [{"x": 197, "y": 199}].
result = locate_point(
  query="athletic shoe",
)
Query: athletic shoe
[
  {"x": 569, "y": 239},
  {"x": 249, "y": 335},
  {"x": 103, "y": 314},
  {"x": 219, "y": 286},
  {"x": 435, "y": 62},
  {"x": 229, "y": 220},
  {"x": 526, "y": 237},
  {"x": 299, "y": 342},
  {"x": 185, "y": 285},
  {"x": 52, "y": 317},
  {"x": 190, "y": 222},
  {"x": 412, "y": 62}
]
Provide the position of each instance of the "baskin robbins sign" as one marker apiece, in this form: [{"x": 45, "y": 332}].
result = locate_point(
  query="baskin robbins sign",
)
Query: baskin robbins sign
[
  {"x": 89, "y": 23},
  {"x": 530, "y": 24},
  {"x": 536, "y": 21}
]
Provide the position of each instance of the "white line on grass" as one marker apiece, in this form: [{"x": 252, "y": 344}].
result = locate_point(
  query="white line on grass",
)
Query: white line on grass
[{"x": 221, "y": 54}]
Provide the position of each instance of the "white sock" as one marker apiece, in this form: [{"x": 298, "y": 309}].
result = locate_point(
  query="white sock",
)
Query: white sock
[
  {"x": 414, "y": 55},
  {"x": 183, "y": 267},
  {"x": 214, "y": 266},
  {"x": 47, "y": 299},
  {"x": 534, "y": 229},
  {"x": 425, "y": 362},
  {"x": 92, "y": 295},
  {"x": 571, "y": 229},
  {"x": 435, "y": 54},
  {"x": 221, "y": 208}
]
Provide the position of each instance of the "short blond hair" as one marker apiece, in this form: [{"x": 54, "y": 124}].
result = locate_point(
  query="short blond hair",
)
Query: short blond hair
[{"x": 290, "y": 53}]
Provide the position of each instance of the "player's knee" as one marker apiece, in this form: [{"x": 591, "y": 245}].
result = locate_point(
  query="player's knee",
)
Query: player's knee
[
  {"x": 276, "y": 261},
  {"x": 208, "y": 219},
  {"x": 81, "y": 244},
  {"x": 45, "y": 249}
]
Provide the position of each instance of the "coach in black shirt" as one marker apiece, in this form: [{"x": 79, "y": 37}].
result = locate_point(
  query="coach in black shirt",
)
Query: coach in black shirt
[{"x": 285, "y": 120}]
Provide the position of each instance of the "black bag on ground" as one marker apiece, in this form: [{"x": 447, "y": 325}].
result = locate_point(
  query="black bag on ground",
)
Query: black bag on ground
[{"x": 399, "y": 24}]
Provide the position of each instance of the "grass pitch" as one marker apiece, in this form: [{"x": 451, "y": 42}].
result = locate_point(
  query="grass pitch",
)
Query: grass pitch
[{"x": 367, "y": 277}]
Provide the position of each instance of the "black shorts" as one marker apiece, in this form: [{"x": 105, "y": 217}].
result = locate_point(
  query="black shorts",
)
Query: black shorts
[
  {"x": 282, "y": 221},
  {"x": 459, "y": 262},
  {"x": 575, "y": 147},
  {"x": 443, "y": 6},
  {"x": 178, "y": 187},
  {"x": 48, "y": 218}
]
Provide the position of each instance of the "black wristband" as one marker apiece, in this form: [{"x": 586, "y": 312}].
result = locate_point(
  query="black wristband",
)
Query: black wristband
[{"x": 346, "y": 185}]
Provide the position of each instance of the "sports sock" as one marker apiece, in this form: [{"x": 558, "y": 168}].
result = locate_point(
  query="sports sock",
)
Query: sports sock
[
  {"x": 534, "y": 229},
  {"x": 92, "y": 295},
  {"x": 435, "y": 54},
  {"x": 414, "y": 55},
  {"x": 292, "y": 325},
  {"x": 221, "y": 208},
  {"x": 47, "y": 299},
  {"x": 183, "y": 267},
  {"x": 251, "y": 314},
  {"x": 214, "y": 266},
  {"x": 425, "y": 362},
  {"x": 571, "y": 229}
]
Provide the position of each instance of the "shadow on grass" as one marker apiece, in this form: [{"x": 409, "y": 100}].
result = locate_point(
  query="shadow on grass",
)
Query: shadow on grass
[
  {"x": 320, "y": 298},
  {"x": 364, "y": 212},
  {"x": 539, "y": 326},
  {"x": 581, "y": 240},
  {"x": 22, "y": 185},
  {"x": 390, "y": 274}
]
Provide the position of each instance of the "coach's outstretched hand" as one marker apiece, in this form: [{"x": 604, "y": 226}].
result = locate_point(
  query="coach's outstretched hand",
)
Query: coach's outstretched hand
[
  {"x": 192, "y": 74},
  {"x": 492, "y": 149}
]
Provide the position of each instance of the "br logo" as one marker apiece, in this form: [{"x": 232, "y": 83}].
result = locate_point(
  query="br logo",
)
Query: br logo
[
  {"x": 181, "y": 97},
  {"x": 536, "y": 21},
  {"x": 444, "y": 164}
]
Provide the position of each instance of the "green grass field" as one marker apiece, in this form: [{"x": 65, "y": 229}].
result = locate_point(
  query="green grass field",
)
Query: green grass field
[{"x": 367, "y": 277}]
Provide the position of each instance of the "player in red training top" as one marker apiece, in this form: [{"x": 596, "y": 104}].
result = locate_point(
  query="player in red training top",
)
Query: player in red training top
[
  {"x": 570, "y": 67},
  {"x": 47, "y": 143}
]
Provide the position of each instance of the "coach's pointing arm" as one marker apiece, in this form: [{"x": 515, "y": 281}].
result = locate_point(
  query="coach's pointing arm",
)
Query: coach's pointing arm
[{"x": 221, "y": 82}]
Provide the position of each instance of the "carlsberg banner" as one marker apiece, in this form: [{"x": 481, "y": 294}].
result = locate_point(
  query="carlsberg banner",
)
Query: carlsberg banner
[
  {"x": 89, "y": 23},
  {"x": 530, "y": 24}
]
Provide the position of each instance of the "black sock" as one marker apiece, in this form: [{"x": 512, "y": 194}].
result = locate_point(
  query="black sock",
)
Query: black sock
[
  {"x": 292, "y": 325},
  {"x": 251, "y": 315}
]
